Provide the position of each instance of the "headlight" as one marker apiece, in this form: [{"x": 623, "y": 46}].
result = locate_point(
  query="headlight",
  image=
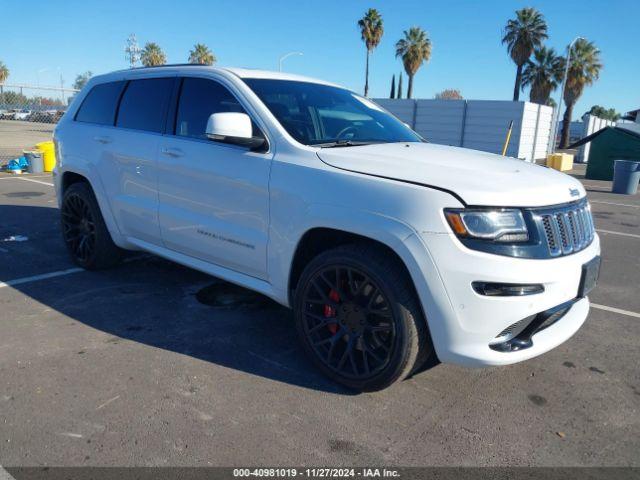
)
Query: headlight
[{"x": 500, "y": 225}]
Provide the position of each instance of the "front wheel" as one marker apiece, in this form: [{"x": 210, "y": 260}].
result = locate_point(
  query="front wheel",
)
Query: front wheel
[{"x": 358, "y": 317}]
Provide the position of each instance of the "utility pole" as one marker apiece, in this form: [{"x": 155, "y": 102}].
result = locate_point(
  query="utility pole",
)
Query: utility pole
[
  {"x": 132, "y": 50},
  {"x": 554, "y": 124}
]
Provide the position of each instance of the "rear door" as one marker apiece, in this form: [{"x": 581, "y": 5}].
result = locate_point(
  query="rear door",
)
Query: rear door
[
  {"x": 128, "y": 166},
  {"x": 214, "y": 197}
]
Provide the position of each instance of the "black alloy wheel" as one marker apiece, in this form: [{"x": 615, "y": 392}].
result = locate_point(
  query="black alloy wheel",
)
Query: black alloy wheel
[
  {"x": 348, "y": 321},
  {"x": 84, "y": 231},
  {"x": 78, "y": 228},
  {"x": 359, "y": 319}
]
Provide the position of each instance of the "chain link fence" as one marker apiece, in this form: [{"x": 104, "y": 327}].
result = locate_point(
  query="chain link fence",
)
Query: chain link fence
[{"x": 28, "y": 115}]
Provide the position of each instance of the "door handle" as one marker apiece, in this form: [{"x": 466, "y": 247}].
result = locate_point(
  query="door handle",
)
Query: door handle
[
  {"x": 172, "y": 152},
  {"x": 100, "y": 139}
]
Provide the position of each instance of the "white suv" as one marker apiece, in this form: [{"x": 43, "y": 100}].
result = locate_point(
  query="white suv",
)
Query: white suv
[{"x": 391, "y": 251}]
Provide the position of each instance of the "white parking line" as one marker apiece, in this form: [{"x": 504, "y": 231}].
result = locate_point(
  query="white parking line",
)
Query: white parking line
[
  {"x": 60, "y": 273},
  {"x": 35, "y": 278},
  {"x": 4, "y": 475},
  {"x": 618, "y": 204},
  {"x": 17, "y": 177},
  {"x": 616, "y": 310},
  {"x": 624, "y": 234},
  {"x": 35, "y": 181}
]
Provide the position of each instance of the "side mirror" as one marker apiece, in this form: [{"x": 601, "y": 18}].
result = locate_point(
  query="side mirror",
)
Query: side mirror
[{"x": 233, "y": 128}]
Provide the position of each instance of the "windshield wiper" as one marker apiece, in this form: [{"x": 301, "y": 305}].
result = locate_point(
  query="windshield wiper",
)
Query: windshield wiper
[{"x": 342, "y": 143}]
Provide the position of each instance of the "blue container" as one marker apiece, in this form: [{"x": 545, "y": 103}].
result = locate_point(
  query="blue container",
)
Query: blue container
[{"x": 626, "y": 175}]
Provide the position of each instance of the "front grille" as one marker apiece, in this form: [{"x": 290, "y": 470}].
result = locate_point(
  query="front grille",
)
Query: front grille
[{"x": 567, "y": 229}]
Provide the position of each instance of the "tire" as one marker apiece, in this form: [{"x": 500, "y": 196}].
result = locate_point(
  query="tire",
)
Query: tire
[
  {"x": 357, "y": 301},
  {"x": 83, "y": 229}
]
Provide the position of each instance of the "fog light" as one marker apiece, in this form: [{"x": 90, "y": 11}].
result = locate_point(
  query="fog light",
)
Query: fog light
[{"x": 506, "y": 289}]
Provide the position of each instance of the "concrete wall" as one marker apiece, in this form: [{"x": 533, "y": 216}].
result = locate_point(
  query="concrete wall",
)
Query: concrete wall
[{"x": 478, "y": 124}]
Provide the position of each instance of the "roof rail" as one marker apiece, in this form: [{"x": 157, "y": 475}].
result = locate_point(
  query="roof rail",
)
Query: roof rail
[{"x": 172, "y": 65}]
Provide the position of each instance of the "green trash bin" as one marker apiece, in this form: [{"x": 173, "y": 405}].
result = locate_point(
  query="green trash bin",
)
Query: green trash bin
[{"x": 626, "y": 175}]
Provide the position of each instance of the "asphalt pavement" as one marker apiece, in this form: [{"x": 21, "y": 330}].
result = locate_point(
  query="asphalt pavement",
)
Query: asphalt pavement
[{"x": 153, "y": 364}]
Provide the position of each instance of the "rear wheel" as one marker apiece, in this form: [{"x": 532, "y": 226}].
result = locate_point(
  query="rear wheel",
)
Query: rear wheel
[
  {"x": 358, "y": 317},
  {"x": 84, "y": 231}
]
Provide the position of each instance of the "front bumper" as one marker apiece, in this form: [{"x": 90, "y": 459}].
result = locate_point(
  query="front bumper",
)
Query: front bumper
[{"x": 464, "y": 325}]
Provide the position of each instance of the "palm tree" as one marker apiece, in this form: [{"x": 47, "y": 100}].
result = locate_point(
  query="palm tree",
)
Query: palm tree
[
  {"x": 522, "y": 35},
  {"x": 201, "y": 55},
  {"x": 371, "y": 29},
  {"x": 542, "y": 74},
  {"x": 584, "y": 69},
  {"x": 4, "y": 74},
  {"x": 414, "y": 48},
  {"x": 152, "y": 55}
]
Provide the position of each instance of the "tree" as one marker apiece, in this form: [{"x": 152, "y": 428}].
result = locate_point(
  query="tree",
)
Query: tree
[
  {"x": 399, "y": 95},
  {"x": 584, "y": 69},
  {"x": 201, "y": 55},
  {"x": 414, "y": 49},
  {"x": 604, "y": 113},
  {"x": 4, "y": 74},
  {"x": 449, "y": 94},
  {"x": 371, "y": 30},
  {"x": 543, "y": 74},
  {"x": 551, "y": 103},
  {"x": 393, "y": 87},
  {"x": 152, "y": 55},
  {"x": 82, "y": 79},
  {"x": 522, "y": 35}
]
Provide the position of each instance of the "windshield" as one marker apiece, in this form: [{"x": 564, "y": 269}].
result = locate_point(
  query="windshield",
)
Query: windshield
[{"x": 323, "y": 115}]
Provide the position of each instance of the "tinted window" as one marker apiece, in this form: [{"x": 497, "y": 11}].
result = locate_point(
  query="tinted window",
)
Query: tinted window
[
  {"x": 316, "y": 114},
  {"x": 99, "y": 106},
  {"x": 199, "y": 98},
  {"x": 144, "y": 104}
]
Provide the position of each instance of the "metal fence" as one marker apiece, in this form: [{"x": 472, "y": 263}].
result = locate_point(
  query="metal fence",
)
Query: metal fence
[{"x": 28, "y": 114}]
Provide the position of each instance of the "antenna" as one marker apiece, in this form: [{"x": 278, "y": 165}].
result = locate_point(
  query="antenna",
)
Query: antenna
[{"x": 132, "y": 50}]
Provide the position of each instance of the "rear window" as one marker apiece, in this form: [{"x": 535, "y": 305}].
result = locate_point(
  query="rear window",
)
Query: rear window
[
  {"x": 100, "y": 104},
  {"x": 144, "y": 104}
]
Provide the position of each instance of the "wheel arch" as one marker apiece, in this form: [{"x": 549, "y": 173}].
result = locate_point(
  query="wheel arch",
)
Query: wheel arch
[
  {"x": 69, "y": 176},
  {"x": 320, "y": 239}
]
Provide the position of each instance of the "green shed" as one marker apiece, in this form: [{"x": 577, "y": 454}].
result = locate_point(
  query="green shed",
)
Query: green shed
[{"x": 607, "y": 145}]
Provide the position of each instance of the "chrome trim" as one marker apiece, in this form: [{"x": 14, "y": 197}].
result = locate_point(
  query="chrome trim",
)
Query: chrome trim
[{"x": 566, "y": 229}]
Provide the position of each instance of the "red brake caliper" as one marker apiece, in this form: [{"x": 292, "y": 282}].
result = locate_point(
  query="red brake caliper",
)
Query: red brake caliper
[{"x": 330, "y": 312}]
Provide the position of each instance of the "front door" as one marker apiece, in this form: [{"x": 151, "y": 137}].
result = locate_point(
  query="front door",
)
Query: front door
[{"x": 213, "y": 197}]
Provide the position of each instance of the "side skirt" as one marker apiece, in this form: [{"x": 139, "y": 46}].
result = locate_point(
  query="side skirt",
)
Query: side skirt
[{"x": 246, "y": 281}]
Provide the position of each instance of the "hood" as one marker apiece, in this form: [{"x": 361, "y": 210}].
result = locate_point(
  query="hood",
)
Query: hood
[{"x": 478, "y": 178}]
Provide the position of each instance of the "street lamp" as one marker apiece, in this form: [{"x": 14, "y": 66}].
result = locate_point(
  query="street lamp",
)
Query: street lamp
[
  {"x": 554, "y": 132},
  {"x": 285, "y": 56}
]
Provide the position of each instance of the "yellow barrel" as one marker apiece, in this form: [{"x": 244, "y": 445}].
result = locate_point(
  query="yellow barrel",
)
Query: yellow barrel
[{"x": 48, "y": 155}]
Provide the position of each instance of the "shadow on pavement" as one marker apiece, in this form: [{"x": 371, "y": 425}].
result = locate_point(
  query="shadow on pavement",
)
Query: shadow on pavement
[{"x": 167, "y": 306}]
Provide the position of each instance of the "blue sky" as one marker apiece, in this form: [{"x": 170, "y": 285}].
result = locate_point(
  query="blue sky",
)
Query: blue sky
[{"x": 72, "y": 36}]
